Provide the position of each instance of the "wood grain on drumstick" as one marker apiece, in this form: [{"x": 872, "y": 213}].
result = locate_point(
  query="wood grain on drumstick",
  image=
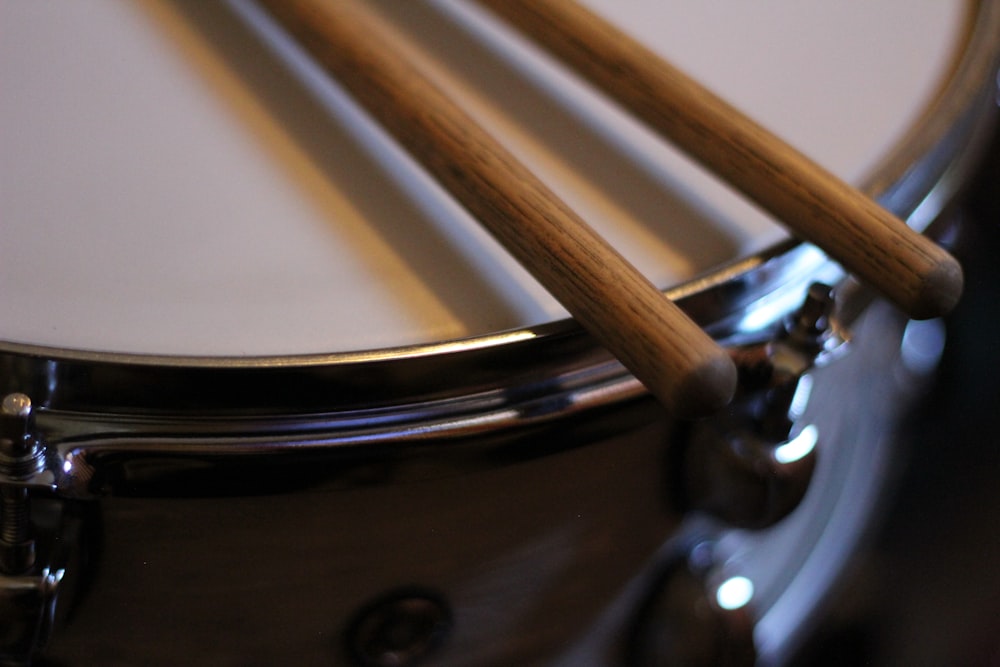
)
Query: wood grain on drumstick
[
  {"x": 680, "y": 364},
  {"x": 879, "y": 249}
]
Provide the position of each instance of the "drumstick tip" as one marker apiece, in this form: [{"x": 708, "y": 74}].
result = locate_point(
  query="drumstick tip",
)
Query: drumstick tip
[
  {"x": 940, "y": 289},
  {"x": 707, "y": 386}
]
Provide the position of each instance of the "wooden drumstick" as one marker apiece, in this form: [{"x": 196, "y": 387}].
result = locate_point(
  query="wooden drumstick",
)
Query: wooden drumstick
[
  {"x": 908, "y": 268},
  {"x": 680, "y": 364}
]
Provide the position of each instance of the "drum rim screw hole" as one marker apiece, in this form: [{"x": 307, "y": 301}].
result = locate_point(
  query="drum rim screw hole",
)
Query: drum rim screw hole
[{"x": 398, "y": 629}]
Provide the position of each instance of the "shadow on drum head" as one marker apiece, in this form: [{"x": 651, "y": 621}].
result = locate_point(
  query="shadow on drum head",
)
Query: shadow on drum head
[
  {"x": 561, "y": 143},
  {"x": 431, "y": 241}
]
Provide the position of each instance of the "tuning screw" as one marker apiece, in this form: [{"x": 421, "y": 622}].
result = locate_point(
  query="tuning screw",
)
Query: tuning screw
[{"x": 20, "y": 457}]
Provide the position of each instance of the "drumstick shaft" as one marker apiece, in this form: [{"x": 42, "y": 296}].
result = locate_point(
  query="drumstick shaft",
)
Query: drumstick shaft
[
  {"x": 670, "y": 354},
  {"x": 867, "y": 240}
]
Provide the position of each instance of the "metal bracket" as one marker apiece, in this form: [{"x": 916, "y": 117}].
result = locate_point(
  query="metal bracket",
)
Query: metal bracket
[
  {"x": 28, "y": 588},
  {"x": 752, "y": 466}
]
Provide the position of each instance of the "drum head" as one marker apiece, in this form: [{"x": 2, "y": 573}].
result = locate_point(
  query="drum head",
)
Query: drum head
[{"x": 174, "y": 185}]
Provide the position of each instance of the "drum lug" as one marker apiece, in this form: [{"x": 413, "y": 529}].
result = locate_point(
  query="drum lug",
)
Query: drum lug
[
  {"x": 27, "y": 587},
  {"x": 776, "y": 376},
  {"x": 693, "y": 614},
  {"x": 752, "y": 466}
]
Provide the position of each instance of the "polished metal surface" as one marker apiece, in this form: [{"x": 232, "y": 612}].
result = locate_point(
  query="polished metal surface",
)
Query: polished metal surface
[
  {"x": 666, "y": 632},
  {"x": 752, "y": 466}
]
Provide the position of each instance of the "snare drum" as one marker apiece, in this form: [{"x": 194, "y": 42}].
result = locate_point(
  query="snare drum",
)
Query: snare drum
[{"x": 272, "y": 397}]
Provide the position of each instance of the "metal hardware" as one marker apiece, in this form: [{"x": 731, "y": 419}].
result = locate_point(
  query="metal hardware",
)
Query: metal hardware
[
  {"x": 810, "y": 339},
  {"x": 27, "y": 588},
  {"x": 693, "y": 615},
  {"x": 27, "y": 610},
  {"x": 399, "y": 629},
  {"x": 752, "y": 467},
  {"x": 20, "y": 459}
]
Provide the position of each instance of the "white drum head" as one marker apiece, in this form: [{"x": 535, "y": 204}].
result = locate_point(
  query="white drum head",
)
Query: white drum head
[{"x": 168, "y": 187}]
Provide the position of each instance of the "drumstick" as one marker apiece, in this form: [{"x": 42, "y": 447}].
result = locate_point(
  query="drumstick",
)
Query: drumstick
[
  {"x": 677, "y": 361},
  {"x": 868, "y": 241}
]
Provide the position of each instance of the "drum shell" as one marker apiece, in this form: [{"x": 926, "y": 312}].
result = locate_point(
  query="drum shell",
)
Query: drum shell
[
  {"x": 542, "y": 543},
  {"x": 528, "y": 539}
]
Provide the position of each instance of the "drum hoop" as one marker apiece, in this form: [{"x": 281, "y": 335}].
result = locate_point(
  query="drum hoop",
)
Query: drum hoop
[{"x": 917, "y": 176}]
